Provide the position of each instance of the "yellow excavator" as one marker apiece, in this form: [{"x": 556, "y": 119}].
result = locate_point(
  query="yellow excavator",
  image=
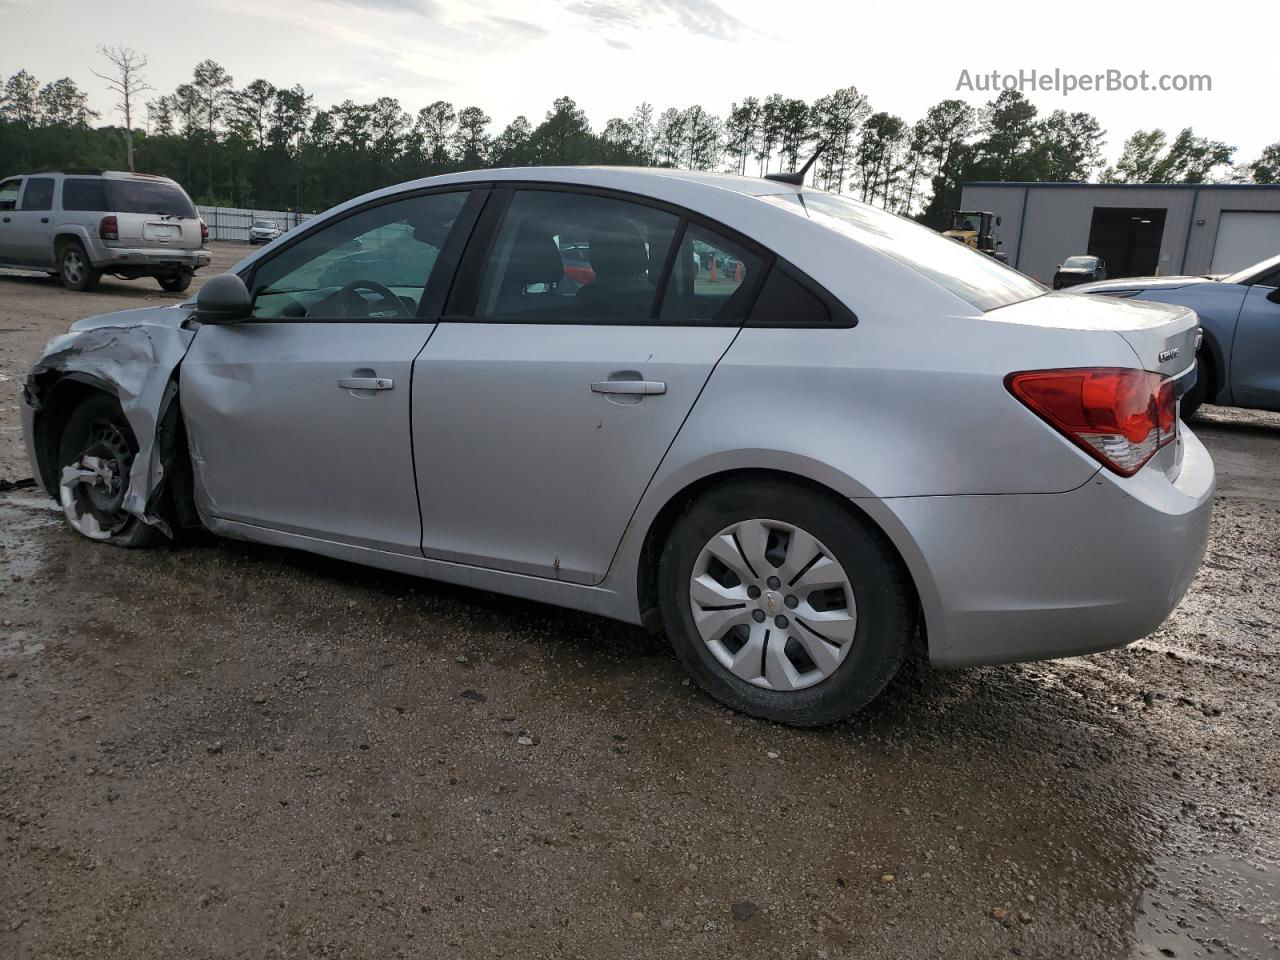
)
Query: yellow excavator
[{"x": 976, "y": 229}]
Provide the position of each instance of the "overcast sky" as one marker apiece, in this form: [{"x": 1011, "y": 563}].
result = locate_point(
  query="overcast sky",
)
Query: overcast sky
[{"x": 515, "y": 56}]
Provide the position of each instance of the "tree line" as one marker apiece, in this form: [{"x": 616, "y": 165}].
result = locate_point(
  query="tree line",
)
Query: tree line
[{"x": 271, "y": 147}]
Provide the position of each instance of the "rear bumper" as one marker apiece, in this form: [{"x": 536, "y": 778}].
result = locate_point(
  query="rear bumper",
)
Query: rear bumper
[
  {"x": 158, "y": 258},
  {"x": 1038, "y": 576}
]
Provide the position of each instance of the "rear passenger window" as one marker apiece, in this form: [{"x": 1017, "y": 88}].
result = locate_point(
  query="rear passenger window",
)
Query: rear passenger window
[
  {"x": 39, "y": 194},
  {"x": 84, "y": 195},
  {"x": 9, "y": 194},
  {"x": 569, "y": 257},
  {"x": 786, "y": 302},
  {"x": 711, "y": 279}
]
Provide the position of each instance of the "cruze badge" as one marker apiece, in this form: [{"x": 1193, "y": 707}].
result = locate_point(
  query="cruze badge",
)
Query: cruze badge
[{"x": 1169, "y": 354}]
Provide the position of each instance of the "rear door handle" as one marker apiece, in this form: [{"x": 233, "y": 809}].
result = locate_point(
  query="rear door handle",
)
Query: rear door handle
[
  {"x": 366, "y": 383},
  {"x": 644, "y": 388}
]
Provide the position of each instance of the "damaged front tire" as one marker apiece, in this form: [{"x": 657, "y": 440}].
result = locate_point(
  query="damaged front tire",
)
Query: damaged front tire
[{"x": 95, "y": 456}]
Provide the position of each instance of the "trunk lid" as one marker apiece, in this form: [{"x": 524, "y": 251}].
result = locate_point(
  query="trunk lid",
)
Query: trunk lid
[{"x": 1162, "y": 335}]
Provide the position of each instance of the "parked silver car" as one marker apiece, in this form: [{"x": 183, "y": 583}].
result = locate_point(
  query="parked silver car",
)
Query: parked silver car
[
  {"x": 1239, "y": 362},
  {"x": 82, "y": 224},
  {"x": 263, "y": 231},
  {"x": 835, "y": 435}
]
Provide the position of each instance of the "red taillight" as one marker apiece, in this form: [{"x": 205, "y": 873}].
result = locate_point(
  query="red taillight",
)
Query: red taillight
[
  {"x": 108, "y": 229},
  {"x": 1119, "y": 416},
  {"x": 204, "y": 232}
]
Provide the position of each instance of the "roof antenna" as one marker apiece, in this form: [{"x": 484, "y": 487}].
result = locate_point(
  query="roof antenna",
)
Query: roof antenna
[{"x": 796, "y": 177}]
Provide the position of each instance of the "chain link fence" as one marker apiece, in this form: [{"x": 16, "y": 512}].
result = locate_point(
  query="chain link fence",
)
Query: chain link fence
[{"x": 232, "y": 223}]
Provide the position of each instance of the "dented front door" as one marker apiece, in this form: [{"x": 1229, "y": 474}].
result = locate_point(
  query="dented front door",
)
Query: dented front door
[
  {"x": 298, "y": 418},
  {"x": 304, "y": 428}
]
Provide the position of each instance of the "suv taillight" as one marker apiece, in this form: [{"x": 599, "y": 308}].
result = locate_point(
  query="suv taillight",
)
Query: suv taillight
[
  {"x": 108, "y": 229},
  {"x": 204, "y": 232},
  {"x": 1120, "y": 417}
]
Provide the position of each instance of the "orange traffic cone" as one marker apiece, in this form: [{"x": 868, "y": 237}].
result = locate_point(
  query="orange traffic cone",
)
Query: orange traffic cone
[{"x": 714, "y": 278}]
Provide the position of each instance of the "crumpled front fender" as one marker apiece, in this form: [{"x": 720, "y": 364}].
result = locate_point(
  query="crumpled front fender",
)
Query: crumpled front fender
[{"x": 135, "y": 359}]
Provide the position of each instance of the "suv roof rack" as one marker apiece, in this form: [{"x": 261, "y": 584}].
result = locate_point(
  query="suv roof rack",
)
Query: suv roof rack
[{"x": 93, "y": 172}]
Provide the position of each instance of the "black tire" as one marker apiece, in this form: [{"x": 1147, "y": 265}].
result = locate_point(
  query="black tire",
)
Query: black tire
[
  {"x": 885, "y": 600},
  {"x": 176, "y": 282},
  {"x": 74, "y": 269},
  {"x": 1193, "y": 398},
  {"x": 96, "y": 417}
]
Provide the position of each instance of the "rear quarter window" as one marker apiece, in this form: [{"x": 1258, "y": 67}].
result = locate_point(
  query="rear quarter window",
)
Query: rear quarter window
[
  {"x": 84, "y": 195},
  {"x": 978, "y": 279}
]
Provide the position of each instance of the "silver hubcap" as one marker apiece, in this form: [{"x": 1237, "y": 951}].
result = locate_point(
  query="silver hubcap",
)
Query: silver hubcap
[
  {"x": 73, "y": 266},
  {"x": 773, "y": 604},
  {"x": 92, "y": 489}
]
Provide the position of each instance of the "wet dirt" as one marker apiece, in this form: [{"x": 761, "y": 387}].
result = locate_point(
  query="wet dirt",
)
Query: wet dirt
[{"x": 223, "y": 750}]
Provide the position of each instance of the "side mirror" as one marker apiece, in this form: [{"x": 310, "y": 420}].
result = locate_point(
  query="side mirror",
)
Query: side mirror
[
  {"x": 1274, "y": 295},
  {"x": 999, "y": 243},
  {"x": 997, "y": 221},
  {"x": 223, "y": 299}
]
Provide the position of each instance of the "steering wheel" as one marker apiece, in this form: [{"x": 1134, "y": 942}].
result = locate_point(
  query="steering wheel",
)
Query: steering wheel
[{"x": 349, "y": 296}]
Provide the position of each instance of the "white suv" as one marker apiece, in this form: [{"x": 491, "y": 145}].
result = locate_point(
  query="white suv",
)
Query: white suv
[{"x": 82, "y": 224}]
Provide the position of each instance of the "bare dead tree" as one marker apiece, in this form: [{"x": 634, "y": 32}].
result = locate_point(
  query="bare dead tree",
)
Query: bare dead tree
[{"x": 128, "y": 82}]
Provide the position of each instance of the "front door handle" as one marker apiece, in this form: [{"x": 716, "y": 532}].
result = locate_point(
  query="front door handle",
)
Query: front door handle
[
  {"x": 643, "y": 388},
  {"x": 366, "y": 383}
]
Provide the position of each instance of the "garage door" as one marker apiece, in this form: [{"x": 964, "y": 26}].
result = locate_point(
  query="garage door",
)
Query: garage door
[{"x": 1245, "y": 238}]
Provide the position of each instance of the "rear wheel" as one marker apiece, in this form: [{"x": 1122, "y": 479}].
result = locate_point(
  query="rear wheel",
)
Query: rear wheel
[
  {"x": 783, "y": 603},
  {"x": 74, "y": 268},
  {"x": 176, "y": 282},
  {"x": 95, "y": 456}
]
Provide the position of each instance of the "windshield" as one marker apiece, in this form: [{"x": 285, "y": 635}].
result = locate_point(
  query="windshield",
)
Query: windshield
[
  {"x": 265, "y": 224},
  {"x": 967, "y": 221},
  {"x": 1080, "y": 263},
  {"x": 976, "y": 278},
  {"x": 1256, "y": 273},
  {"x": 148, "y": 196}
]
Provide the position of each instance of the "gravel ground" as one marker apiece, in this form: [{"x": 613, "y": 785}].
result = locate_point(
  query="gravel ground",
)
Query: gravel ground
[{"x": 223, "y": 750}]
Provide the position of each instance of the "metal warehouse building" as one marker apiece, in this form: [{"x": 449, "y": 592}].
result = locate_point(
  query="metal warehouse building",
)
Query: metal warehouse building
[{"x": 1139, "y": 229}]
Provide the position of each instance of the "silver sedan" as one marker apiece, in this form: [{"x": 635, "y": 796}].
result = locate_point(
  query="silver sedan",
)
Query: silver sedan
[{"x": 802, "y": 436}]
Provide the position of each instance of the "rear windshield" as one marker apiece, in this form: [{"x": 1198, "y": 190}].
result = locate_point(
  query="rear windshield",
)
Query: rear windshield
[
  {"x": 976, "y": 278},
  {"x": 1267, "y": 273},
  {"x": 144, "y": 196}
]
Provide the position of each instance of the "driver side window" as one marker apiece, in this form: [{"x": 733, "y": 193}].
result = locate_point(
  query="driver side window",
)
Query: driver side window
[{"x": 371, "y": 265}]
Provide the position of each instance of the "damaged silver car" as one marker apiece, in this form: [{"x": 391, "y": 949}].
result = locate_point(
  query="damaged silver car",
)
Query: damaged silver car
[{"x": 799, "y": 434}]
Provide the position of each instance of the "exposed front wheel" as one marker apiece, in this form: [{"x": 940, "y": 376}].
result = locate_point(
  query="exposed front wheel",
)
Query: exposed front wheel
[
  {"x": 95, "y": 457},
  {"x": 74, "y": 268},
  {"x": 783, "y": 603},
  {"x": 176, "y": 282}
]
